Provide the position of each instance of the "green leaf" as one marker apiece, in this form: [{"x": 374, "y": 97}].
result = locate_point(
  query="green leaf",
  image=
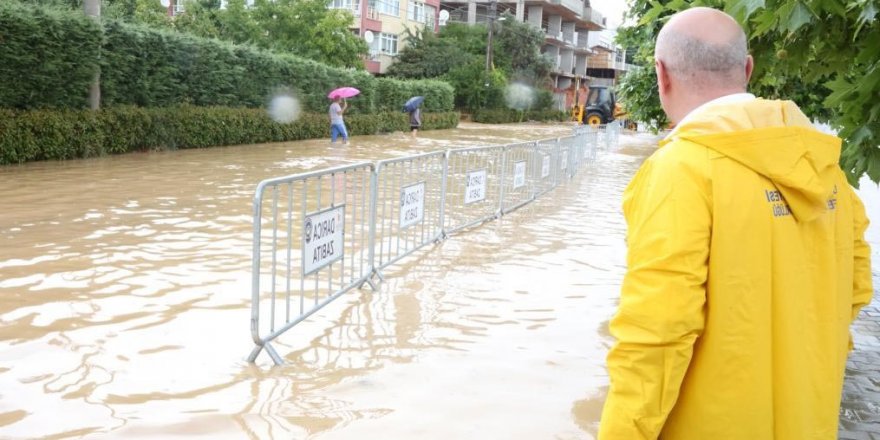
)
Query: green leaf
[
  {"x": 741, "y": 10},
  {"x": 765, "y": 21},
  {"x": 870, "y": 51},
  {"x": 860, "y": 135},
  {"x": 652, "y": 14},
  {"x": 874, "y": 166},
  {"x": 868, "y": 13},
  {"x": 867, "y": 16},
  {"x": 832, "y": 6},
  {"x": 785, "y": 10},
  {"x": 840, "y": 90},
  {"x": 875, "y": 111},
  {"x": 800, "y": 16}
]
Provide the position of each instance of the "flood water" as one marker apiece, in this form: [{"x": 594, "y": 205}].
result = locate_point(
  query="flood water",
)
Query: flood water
[{"x": 125, "y": 305}]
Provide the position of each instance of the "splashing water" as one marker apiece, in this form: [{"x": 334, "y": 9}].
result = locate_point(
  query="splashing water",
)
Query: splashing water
[
  {"x": 284, "y": 108},
  {"x": 519, "y": 96}
]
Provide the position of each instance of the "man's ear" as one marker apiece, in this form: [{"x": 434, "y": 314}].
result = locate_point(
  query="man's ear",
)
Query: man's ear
[
  {"x": 750, "y": 65},
  {"x": 662, "y": 76}
]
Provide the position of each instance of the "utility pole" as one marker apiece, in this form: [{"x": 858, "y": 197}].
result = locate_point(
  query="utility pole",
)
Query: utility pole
[
  {"x": 92, "y": 9},
  {"x": 493, "y": 5}
]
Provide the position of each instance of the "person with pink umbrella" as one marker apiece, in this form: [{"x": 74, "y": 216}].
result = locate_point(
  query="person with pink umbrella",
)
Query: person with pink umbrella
[{"x": 337, "y": 124}]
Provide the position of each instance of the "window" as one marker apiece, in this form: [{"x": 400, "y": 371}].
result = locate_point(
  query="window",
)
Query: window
[
  {"x": 416, "y": 11},
  {"x": 388, "y": 43},
  {"x": 352, "y": 5},
  {"x": 388, "y": 7},
  {"x": 430, "y": 12}
]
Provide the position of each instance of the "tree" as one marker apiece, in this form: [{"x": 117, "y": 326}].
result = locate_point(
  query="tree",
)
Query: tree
[
  {"x": 823, "y": 54},
  {"x": 234, "y": 23},
  {"x": 427, "y": 55},
  {"x": 457, "y": 55},
  {"x": 306, "y": 28},
  {"x": 149, "y": 12},
  {"x": 477, "y": 88},
  {"x": 517, "y": 50},
  {"x": 309, "y": 29}
]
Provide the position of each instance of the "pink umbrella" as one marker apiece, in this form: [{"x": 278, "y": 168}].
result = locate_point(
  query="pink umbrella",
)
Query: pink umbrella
[{"x": 343, "y": 92}]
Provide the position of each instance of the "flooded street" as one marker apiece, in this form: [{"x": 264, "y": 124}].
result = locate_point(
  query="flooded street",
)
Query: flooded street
[{"x": 125, "y": 304}]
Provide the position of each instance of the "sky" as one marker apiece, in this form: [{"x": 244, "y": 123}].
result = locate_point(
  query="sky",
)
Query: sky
[{"x": 612, "y": 9}]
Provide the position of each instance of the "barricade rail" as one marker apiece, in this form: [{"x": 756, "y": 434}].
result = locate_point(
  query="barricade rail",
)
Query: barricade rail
[{"x": 320, "y": 234}]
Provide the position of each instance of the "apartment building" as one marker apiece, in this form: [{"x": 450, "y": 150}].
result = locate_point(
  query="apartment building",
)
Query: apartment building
[
  {"x": 567, "y": 25},
  {"x": 607, "y": 61},
  {"x": 383, "y": 24}
]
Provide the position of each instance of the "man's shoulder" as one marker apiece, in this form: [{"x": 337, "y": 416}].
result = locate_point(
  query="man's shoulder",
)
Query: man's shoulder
[{"x": 682, "y": 151}]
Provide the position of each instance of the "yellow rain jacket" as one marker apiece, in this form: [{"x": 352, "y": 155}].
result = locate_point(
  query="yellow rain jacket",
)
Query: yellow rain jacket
[{"x": 746, "y": 265}]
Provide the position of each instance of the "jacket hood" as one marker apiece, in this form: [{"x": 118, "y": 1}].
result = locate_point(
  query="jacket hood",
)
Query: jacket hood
[{"x": 774, "y": 139}]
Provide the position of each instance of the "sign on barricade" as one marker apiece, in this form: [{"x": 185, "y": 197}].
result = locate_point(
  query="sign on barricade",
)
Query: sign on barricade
[
  {"x": 412, "y": 204},
  {"x": 473, "y": 186},
  {"x": 519, "y": 174},
  {"x": 408, "y": 211},
  {"x": 475, "y": 189},
  {"x": 322, "y": 239}
]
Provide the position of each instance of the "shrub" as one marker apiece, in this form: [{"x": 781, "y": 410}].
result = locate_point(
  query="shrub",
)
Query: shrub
[
  {"x": 66, "y": 134},
  {"x": 49, "y": 57}
]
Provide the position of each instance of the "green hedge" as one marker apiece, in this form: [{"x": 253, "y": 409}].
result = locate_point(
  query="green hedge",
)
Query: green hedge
[
  {"x": 392, "y": 93},
  {"x": 66, "y": 134},
  {"x": 58, "y": 53},
  {"x": 48, "y": 58},
  {"x": 156, "y": 68},
  {"x": 505, "y": 116}
]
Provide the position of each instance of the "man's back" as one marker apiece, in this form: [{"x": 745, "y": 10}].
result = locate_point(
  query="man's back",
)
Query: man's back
[{"x": 745, "y": 247}]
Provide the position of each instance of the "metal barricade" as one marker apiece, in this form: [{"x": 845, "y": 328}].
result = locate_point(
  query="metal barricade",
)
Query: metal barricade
[
  {"x": 311, "y": 243},
  {"x": 317, "y": 235},
  {"x": 582, "y": 143},
  {"x": 593, "y": 142},
  {"x": 518, "y": 185},
  {"x": 563, "y": 164},
  {"x": 546, "y": 152},
  {"x": 473, "y": 186},
  {"x": 611, "y": 132},
  {"x": 408, "y": 212}
]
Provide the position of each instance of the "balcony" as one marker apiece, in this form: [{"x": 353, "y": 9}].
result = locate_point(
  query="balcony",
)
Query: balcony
[
  {"x": 575, "y": 6},
  {"x": 593, "y": 16},
  {"x": 607, "y": 62},
  {"x": 372, "y": 66}
]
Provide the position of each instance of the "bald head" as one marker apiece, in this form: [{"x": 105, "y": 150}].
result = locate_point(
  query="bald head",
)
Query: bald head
[{"x": 705, "y": 47}]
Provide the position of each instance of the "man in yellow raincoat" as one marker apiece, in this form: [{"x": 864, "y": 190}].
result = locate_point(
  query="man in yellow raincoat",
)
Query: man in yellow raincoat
[{"x": 746, "y": 259}]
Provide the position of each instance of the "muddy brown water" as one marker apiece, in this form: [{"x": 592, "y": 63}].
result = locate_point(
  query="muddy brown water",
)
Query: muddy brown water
[{"x": 125, "y": 305}]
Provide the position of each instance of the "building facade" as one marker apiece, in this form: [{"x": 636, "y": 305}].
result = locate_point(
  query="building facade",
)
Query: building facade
[
  {"x": 384, "y": 24},
  {"x": 566, "y": 24}
]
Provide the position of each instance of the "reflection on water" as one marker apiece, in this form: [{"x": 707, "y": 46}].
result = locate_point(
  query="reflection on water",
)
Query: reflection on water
[{"x": 125, "y": 295}]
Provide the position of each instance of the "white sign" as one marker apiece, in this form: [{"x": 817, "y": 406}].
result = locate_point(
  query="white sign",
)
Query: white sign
[
  {"x": 545, "y": 166},
  {"x": 519, "y": 174},
  {"x": 564, "y": 161},
  {"x": 322, "y": 238},
  {"x": 475, "y": 189},
  {"x": 412, "y": 204}
]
